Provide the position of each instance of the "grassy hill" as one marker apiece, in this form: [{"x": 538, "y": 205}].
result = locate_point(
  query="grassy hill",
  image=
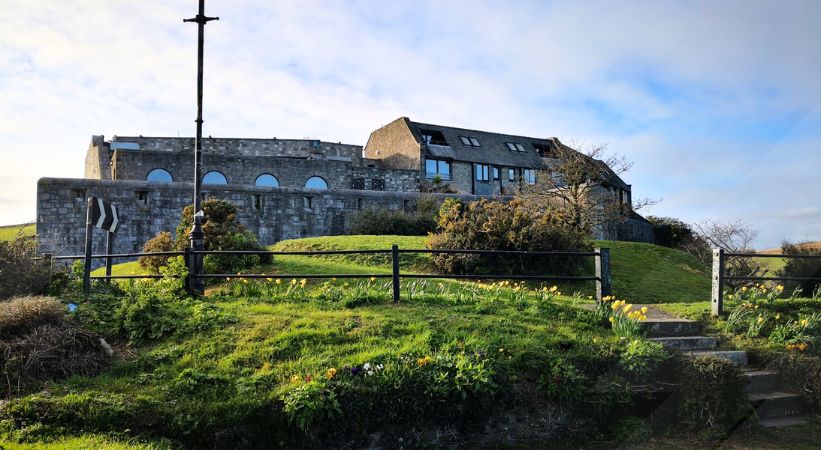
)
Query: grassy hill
[
  {"x": 9, "y": 232},
  {"x": 642, "y": 273}
]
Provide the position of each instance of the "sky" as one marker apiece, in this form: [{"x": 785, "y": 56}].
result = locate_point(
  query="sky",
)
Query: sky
[{"x": 715, "y": 102}]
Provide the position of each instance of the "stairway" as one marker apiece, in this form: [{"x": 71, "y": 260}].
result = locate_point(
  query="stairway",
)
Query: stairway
[{"x": 774, "y": 406}]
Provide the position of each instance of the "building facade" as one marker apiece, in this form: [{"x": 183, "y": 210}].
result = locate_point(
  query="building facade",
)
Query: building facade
[{"x": 290, "y": 188}]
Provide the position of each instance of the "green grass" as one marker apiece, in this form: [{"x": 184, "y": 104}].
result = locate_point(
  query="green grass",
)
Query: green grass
[{"x": 9, "y": 232}]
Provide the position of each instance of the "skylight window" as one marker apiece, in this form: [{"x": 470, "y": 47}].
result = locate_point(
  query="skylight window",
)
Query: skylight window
[
  {"x": 433, "y": 137},
  {"x": 515, "y": 147},
  {"x": 469, "y": 141}
]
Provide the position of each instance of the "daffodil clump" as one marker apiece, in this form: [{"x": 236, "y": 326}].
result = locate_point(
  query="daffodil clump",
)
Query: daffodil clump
[
  {"x": 757, "y": 292},
  {"x": 755, "y": 320},
  {"x": 625, "y": 320}
]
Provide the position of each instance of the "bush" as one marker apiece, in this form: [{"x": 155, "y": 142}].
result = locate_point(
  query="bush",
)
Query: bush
[
  {"x": 802, "y": 268},
  {"x": 496, "y": 225},
  {"x": 417, "y": 222},
  {"x": 223, "y": 231},
  {"x": 20, "y": 273},
  {"x": 162, "y": 242},
  {"x": 673, "y": 233}
]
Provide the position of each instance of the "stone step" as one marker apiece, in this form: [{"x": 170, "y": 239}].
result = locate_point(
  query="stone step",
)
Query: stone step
[
  {"x": 761, "y": 380},
  {"x": 686, "y": 343},
  {"x": 773, "y": 404},
  {"x": 785, "y": 421},
  {"x": 672, "y": 327},
  {"x": 738, "y": 357}
]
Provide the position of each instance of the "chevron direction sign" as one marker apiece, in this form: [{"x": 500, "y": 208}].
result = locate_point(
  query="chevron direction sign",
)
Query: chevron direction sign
[{"x": 104, "y": 215}]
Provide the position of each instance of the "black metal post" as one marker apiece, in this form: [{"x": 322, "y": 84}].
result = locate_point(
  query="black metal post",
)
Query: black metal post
[
  {"x": 604, "y": 282},
  {"x": 395, "y": 260},
  {"x": 197, "y": 236},
  {"x": 718, "y": 282},
  {"x": 109, "y": 250},
  {"x": 87, "y": 260}
]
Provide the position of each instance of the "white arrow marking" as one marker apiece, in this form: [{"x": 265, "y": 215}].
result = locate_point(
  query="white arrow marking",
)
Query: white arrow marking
[{"x": 102, "y": 213}]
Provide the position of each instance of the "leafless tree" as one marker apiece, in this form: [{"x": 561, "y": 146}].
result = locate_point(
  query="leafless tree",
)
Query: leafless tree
[
  {"x": 733, "y": 237},
  {"x": 584, "y": 185}
]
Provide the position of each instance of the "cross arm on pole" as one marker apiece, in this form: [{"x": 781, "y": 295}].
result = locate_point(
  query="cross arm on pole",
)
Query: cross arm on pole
[{"x": 201, "y": 19}]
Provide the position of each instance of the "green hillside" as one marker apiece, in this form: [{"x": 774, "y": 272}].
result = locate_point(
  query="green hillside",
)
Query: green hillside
[
  {"x": 642, "y": 273},
  {"x": 9, "y": 232}
]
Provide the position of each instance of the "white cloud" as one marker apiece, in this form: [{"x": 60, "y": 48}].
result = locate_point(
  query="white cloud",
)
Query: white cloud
[{"x": 675, "y": 85}]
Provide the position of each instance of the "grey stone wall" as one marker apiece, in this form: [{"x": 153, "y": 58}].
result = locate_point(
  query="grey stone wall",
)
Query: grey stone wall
[
  {"x": 145, "y": 209},
  {"x": 135, "y": 165}
]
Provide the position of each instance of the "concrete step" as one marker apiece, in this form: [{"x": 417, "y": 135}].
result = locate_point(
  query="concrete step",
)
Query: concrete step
[
  {"x": 738, "y": 357},
  {"x": 686, "y": 343},
  {"x": 672, "y": 327},
  {"x": 786, "y": 421},
  {"x": 773, "y": 404},
  {"x": 761, "y": 380}
]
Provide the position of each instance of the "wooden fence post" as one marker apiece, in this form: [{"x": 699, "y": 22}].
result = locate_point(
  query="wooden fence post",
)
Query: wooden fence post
[
  {"x": 718, "y": 282},
  {"x": 604, "y": 282},
  {"x": 395, "y": 258}
]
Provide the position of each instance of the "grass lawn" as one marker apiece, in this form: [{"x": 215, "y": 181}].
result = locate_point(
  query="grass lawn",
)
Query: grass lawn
[{"x": 9, "y": 232}]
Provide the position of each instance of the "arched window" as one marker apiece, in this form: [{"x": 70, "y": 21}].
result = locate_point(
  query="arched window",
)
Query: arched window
[
  {"x": 159, "y": 176},
  {"x": 267, "y": 180},
  {"x": 214, "y": 177},
  {"x": 316, "y": 183}
]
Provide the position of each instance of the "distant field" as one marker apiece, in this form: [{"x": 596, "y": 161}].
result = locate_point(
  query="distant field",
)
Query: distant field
[
  {"x": 775, "y": 264},
  {"x": 9, "y": 232}
]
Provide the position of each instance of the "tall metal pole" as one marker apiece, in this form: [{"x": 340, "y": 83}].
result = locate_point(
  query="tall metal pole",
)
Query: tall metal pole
[{"x": 197, "y": 236}]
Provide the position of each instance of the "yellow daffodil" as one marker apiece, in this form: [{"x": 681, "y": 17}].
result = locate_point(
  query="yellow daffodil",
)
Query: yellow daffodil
[
  {"x": 611, "y": 319},
  {"x": 269, "y": 279},
  {"x": 780, "y": 287},
  {"x": 644, "y": 310},
  {"x": 278, "y": 281},
  {"x": 373, "y": 279},
  {"x": 331, "y": 373},
  {"x": 804, "y": 322},
  {"x": 303, "y": 282},
  {"x": 296, "y": 379},
  {"x": 743, "y": 288},
  {"x": 293, "y": 281}
]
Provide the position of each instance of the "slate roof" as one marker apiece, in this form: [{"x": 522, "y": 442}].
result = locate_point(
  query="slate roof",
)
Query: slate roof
[{"x": 493, "y": 148}]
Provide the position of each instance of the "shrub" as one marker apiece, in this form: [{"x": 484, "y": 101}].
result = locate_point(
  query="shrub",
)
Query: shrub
[
  {"x": 673, "y": 233},
  {"x": 162, "y": 242},
  {"x": 419, "y": 221},
  {"x": 223, "y": 231},
  {"x": 802, "y": 268},
  {"x": 20, "y": 273},
  {"x": 496, "y": 225}
]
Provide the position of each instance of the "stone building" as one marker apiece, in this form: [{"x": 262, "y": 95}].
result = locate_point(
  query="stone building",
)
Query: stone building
[{"x": 290, "y": 188}]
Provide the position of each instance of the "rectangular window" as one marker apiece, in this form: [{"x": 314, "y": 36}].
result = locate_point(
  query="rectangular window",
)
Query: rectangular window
[
  {"x": 469, "y": 141},
  {"x": 142, "y": 197},
  {"x": 529, "y": 176},
  {"x": 308, "y": 202},
  {"x": 434, "y": 167},
  {"x": 495, "y": 173},
  {"x": 511, "y": 174},
  {"x": 514, "y": 147},
  {"x": 359, "y": 203},
  {"x": 482, "y": 172},
  {"x": 258, "y": 202}
]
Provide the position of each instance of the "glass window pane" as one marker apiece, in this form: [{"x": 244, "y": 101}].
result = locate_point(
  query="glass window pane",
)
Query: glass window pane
[
  {"x": 267, "y": 180},
  {"x": 474, "y": 142},
  {"x": 444, "y": 168},
  {"x": 316, "y": 183},
  {"x": 159, "y": 176},
  {"x": 430, "y": 167},
  {"x": 214, "y": 177}
]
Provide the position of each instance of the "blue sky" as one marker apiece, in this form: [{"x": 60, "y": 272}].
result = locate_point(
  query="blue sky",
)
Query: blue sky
[{"x": 716, "y": 103}]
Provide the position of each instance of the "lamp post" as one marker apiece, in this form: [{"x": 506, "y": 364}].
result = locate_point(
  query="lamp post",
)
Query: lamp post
[{"x": 197, "y": 236}]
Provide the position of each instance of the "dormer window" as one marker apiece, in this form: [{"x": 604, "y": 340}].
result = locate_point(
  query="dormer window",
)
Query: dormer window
[
  {"x": 514, "y": 147},
  {"x": 433, "y": 137},
  {"x": 469, "y": 141},
  {"x": 544, "y": 150}
]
